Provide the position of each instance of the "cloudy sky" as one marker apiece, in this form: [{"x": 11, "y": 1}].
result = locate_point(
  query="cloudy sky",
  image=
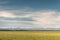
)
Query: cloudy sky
[{"x": 30, "y": 14}]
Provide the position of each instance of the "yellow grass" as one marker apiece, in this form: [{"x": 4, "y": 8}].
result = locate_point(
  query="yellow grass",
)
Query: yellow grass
[{"x": 29, "y": 35}]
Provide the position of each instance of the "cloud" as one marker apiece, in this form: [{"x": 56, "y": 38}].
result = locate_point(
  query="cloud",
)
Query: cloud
[
  {"x": 30, "y": 19},
  {"x": 12, "y": 15},
  {"x": 6, "y": 14},
  {"x": 47, "y": 19},
  {"x": 10, "y": 19}
]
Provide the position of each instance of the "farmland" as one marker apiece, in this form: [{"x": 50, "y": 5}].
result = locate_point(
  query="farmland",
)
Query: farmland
[{"x": 29, "y": 35}]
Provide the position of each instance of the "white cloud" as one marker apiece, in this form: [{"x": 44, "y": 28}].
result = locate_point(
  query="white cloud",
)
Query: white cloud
[
  {"x": 47, "y": 19},
  {"x": 6, "y": 14},
  {"x": 42, "y": 19},
  {"x": 12, "y": 15}
]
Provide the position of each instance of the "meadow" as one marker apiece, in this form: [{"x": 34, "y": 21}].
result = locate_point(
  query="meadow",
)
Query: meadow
[{"x": 29, "y": 35}]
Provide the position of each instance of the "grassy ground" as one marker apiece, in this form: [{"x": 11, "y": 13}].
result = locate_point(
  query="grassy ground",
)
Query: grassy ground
[{"x": 29, "y": 35}]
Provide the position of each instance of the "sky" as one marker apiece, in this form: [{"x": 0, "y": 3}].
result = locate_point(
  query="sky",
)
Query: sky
[{"x": 30, "y": 14}]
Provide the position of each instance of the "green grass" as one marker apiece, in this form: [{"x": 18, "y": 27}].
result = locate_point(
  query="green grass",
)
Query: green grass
[{"x": 29, "y": 35}]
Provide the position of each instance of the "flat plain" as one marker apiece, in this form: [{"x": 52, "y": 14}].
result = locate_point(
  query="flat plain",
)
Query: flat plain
[{"x": 29, "y": 35}]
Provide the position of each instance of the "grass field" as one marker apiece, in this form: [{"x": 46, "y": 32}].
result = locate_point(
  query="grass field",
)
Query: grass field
[{"x": 29, "y": 35}]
